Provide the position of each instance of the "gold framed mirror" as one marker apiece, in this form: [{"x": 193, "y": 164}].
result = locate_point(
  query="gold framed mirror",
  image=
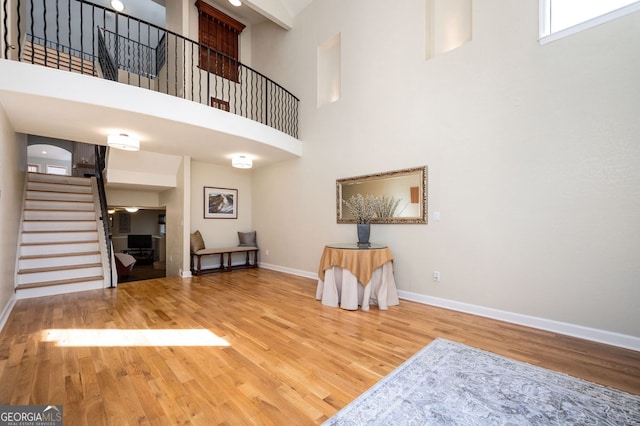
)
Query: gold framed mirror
[{"x": 406, "y": 188}]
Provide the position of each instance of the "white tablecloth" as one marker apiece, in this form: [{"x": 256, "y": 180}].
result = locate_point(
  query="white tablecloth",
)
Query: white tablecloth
[{"x": 341, "y": 288}]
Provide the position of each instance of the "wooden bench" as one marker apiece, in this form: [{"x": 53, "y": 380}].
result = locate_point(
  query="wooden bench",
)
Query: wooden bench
[{"x": 196, "y": 258}]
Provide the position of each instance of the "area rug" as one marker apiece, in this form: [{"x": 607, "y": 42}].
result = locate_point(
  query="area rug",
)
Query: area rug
[{"x": 448, "y": 383}]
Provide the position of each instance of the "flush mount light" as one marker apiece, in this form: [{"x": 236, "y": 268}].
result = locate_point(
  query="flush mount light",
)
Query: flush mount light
[
  {"x": 123, "y": 141},
  {"x": 131, "y": 209},
  {"x": 117, "y": 5},
  {"x": 235, "y": 2},
  {"x": 111, "y": 211},
  {"x": 242, "y": 162}
]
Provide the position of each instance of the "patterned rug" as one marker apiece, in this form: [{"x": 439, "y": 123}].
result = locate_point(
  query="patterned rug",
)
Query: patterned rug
[{"x": 448, "y": 383}]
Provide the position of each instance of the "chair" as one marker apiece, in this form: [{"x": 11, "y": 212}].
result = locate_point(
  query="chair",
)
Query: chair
[{"x": 124, "y": 264}]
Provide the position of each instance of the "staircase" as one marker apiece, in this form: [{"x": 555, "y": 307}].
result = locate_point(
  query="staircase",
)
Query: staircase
[
  {"x": 62, "y": 246},
  {"x": 37, "y": 54}
]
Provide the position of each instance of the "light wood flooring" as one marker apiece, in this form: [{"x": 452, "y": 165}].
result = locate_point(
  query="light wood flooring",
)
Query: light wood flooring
[{"x": 290, "y": 360}]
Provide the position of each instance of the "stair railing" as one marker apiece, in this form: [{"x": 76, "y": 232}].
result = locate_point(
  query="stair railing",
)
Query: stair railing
[
  {"x": 107, "y": 63},
  {"x": 184, "y": 68},
  {"x": 104, "y": 211}
]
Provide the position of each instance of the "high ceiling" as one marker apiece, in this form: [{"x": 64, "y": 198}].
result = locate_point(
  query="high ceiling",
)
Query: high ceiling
[{"x": 282, "y": 12}]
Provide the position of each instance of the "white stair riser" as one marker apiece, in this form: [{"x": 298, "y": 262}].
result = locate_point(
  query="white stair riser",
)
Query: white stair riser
[
  {"x": 38, "y": 277},
  {"x": 43, "y": 186},
  {"x": 48, "y": 215},
  {"x": 60, "y": 196},
  {"x": 58, "y": 237},
  {"x": 48, "y": 262},
  {"x": 28, "y": 293},
  {"x": 67, "y": 180},
  {"x": 59, "y": 205},
  {"x": 88, "y": 225},
  {"x": 33, "y": 250},
  {"x": 54, "y": 204}
]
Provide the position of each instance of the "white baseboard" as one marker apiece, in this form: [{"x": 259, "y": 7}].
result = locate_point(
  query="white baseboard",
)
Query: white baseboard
[
  {"x": 593, "y": 334},
  {"x": 298, "y": 272},
  {"x": 4, "y": 315}
]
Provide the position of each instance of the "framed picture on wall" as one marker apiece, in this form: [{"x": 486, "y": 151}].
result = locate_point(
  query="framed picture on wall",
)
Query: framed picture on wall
[{"x": 220, "y": 203}]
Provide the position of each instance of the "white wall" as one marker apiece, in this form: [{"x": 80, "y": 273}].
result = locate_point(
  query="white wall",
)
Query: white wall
[
  {"x": 13, "y": 160},
  {"x": 532, "y": 151},
  {"x": 220, "y": 232},
  {"x": 118, "y": 197},
  {"x": 177, "y": 206}
]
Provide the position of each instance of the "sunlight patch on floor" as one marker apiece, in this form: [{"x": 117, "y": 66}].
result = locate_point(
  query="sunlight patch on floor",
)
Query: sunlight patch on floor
[{"x": 114, "y": 337}]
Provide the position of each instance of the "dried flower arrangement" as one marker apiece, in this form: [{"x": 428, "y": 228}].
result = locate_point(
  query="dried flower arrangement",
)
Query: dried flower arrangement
[
  {"x": 387, "y": 206},
  {"x": 362, "y": 207}
]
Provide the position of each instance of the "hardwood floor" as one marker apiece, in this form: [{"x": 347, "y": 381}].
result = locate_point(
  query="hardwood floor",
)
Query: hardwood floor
[
  {"x": 289, "y": 359},
  {"x": 141, "y": 273}
]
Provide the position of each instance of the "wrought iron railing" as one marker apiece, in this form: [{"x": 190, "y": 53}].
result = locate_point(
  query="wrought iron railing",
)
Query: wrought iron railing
[
  {"x": 101, "y": 154},
  {"x": 135, "y": 52}
]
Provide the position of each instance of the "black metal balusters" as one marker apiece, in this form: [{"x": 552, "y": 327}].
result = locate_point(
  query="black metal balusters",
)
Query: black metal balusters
[{"x": 127, "y": 49}]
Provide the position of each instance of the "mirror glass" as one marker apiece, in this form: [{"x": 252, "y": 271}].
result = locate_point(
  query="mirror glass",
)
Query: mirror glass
[{"x": 407, "y": 188}]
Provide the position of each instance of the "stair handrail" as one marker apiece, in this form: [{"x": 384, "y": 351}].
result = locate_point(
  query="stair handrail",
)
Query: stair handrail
[
  {"x": 100, "y": 165},
  {"x": 106, "y": 61}
]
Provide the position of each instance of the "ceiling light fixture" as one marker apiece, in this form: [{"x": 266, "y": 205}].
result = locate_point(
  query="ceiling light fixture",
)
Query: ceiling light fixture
[
  {"x": 241, "y": 162},
  {"x": 131, "y": 209},
  {"x": 236, "y": 3},
  {"x": 123, "y": 141},
  {"x": 117, "y": 5}
]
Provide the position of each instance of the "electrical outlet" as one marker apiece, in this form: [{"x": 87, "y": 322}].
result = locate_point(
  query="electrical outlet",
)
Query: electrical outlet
[
  {"x": 436, "y": 276},
  {"x": 266, "y": 252}
]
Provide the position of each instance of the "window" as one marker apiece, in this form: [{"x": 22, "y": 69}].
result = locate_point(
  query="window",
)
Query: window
[
  {"x": 34, "y": 168},
  {"x": 560, "y": 18},
  {"x": 219, "y": 40},
  {"x": 56, "y": 170}
]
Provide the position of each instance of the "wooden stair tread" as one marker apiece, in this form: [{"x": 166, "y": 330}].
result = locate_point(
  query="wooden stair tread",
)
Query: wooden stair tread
[
  {"x": 32, "y": 209},
  {"x": 46, "y": 194},
  {"x": 48, "y": 56},
  {"x": 57, "y": 200},
  {"x": 58, "y": 242},
  {"x": 58, "y": 220},
  {"x": 57, "y": 231},
  {"x": 72, "y": 181},
  {"x": 59, "y": 268},
  {"x": 59, "y": 282},
  {"x": 51, "y": 191},
  {"x": 47, "y": 256}
]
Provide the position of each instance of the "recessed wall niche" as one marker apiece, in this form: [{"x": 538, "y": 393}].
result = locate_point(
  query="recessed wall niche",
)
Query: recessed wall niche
[
  {"x": 448, "y": 25},
  {"x": 329, "y": 71}
]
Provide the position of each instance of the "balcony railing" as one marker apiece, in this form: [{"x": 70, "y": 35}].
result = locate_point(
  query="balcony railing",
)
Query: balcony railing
[{"x": 79, "y": 36}]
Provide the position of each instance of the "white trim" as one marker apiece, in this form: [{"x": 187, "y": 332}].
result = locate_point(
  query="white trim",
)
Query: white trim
[
  {"x": 614, "y": 14},
  {"x": 298, "y": 272},
  {"x": 592, "y": 334},
  {"x": 184, "y": 274},
  {"x": 4, "y": 316}
]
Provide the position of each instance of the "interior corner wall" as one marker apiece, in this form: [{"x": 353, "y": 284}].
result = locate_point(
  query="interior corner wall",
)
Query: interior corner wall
[
  {"x": 177, "y": 205},
  {"x": 532, "y": 152},
  {"x": 13, "y": 160}
]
